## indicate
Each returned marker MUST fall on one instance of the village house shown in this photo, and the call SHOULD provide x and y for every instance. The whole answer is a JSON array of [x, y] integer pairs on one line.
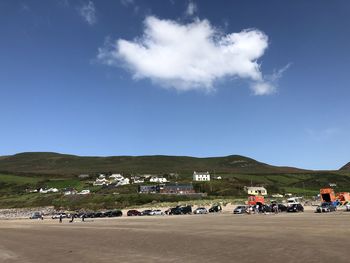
[[180, 189], [101, 181], [69, 191], [137, 179], [119, 179], [149, 189], [50, 190], [201, 176], [156, 179], [251, 190]]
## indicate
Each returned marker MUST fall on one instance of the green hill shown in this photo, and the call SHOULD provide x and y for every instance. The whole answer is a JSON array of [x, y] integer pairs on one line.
[[62, 164]]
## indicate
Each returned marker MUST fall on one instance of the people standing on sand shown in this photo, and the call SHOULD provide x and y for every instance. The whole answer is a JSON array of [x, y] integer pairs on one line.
[[72, 219], [83, 218], [61, 218]]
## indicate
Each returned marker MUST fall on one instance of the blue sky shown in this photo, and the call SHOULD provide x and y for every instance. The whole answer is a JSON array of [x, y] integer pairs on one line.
[[264, 79]]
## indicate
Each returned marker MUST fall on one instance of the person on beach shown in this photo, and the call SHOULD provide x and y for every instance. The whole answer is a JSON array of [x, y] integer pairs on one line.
[[61, 218]]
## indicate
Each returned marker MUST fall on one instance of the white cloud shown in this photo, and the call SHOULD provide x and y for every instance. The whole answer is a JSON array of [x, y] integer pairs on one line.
[[268, 84], [191, 8], [191, 56], [88, 12], [323, 134], [127, 2]]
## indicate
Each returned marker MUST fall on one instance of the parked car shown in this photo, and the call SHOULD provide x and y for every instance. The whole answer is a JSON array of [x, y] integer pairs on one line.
[[240, 209], [157, 212], [200, 210], [281, 207], [97, 214], [180, 210], [134, 213], [326, 207], [57, 215], [36, 215], [113, 213], [215, 209], [147, 212], [88, 215], [295, 208], [265, 209]]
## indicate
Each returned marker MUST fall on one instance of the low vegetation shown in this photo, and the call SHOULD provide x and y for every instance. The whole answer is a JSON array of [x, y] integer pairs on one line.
[[14, 190]]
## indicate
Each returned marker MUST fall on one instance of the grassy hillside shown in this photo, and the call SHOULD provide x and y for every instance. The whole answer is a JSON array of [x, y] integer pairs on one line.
[[35, 170], [62, 164]]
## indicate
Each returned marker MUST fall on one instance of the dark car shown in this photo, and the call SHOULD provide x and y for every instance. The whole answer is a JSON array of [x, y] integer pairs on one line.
[[240, 209], [134, 213], [88, 215], [265, 209], [113, 213], [180, 210], [295, 208], [98, 214], [215, 209], [281, 207], [326, 207]]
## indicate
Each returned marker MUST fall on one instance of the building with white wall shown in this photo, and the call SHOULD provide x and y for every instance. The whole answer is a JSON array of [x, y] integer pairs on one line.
[[201, 176]]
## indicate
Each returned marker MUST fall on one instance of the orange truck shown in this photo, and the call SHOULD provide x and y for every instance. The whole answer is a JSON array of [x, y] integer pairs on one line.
[[256, 200], [327, 195]]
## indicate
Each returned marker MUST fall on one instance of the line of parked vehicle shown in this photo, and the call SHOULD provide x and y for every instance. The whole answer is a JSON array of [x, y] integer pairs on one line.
[[264, 208], [183, 210], [178, 210]]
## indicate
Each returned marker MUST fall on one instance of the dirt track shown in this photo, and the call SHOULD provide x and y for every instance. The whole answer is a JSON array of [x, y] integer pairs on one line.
[[306, 237]]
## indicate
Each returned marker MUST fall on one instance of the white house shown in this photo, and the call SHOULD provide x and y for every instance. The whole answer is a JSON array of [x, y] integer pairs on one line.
[[119, 179], [116, 177], [70, 191], [251, 190], [102, 181], [50, 190], [124, 181], [201, 176], [156, 179], [137, 180]]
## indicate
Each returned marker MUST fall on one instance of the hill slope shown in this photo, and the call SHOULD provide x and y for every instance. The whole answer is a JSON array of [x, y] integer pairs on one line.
[[346, 167], [63, 164]]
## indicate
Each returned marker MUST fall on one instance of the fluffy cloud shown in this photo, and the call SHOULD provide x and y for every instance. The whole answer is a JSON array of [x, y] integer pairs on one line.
[[88, 12], [191, 8], [191, 56]]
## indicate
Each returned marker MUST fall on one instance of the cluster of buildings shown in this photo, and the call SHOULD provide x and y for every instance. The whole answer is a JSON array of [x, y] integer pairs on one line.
[[115, 179], [118, 179], [65, 191]]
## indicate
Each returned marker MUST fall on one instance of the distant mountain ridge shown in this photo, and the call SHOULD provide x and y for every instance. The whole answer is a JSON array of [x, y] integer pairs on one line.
[[346, 167], [65, 164]]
